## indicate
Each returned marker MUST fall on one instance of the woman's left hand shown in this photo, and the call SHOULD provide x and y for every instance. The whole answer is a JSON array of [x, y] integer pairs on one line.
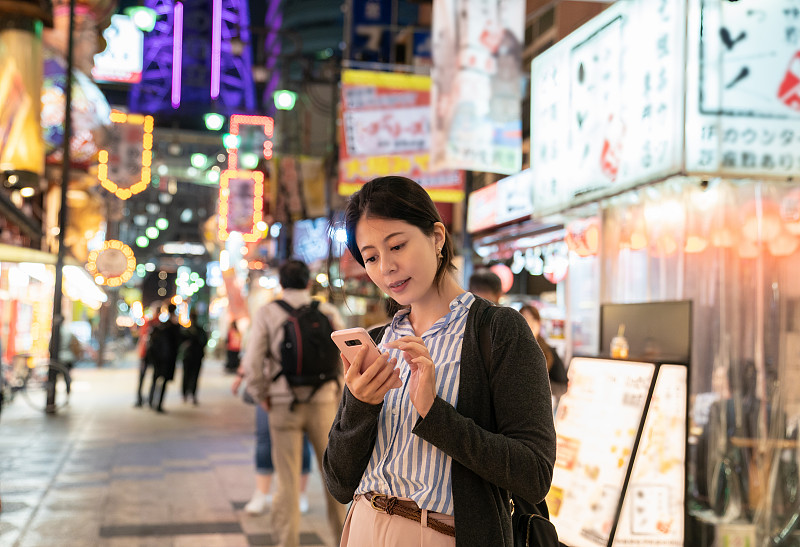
[[422, 381]]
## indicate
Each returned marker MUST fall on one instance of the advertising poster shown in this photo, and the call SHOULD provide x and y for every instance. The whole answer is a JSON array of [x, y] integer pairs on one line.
[[607, 104], [21, 143], [477, 85], [596, 424], [743, 91], [300, 188], [386, 130]]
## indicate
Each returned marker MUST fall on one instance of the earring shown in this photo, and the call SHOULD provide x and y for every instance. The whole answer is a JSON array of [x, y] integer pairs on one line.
[[439, 253]]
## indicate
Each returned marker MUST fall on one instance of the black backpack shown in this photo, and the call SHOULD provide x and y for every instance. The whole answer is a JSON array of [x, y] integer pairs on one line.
[[308, 355]]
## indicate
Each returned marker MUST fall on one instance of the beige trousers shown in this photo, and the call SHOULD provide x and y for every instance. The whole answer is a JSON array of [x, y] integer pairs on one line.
[[287, 428], [366, 527]]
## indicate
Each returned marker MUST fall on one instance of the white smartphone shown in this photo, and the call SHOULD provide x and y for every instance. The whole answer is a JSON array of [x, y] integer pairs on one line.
[[350, 341]]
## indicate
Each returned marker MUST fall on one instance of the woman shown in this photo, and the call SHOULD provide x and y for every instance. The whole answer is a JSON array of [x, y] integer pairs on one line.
[[555, 366], [193, 353], [233, 345], [429, 431]]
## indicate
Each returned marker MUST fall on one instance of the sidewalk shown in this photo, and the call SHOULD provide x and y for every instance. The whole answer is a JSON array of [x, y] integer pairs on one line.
[[102, 473]]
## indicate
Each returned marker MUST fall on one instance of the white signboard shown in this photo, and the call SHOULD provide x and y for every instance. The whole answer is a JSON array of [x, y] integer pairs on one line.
[[477, 85], [596, 424], [743, 98], [607, 104], [121, 61]]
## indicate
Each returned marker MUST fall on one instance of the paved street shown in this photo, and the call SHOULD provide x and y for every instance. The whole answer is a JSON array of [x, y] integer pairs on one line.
[[103, 473]]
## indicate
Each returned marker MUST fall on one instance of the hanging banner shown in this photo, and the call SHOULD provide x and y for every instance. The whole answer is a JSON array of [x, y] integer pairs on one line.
[[607, 104], [21, 142], [477, 85], [386, 131], [743, 99], [300, 189]]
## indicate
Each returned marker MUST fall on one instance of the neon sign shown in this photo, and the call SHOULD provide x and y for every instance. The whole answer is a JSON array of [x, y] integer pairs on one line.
[[124, 168], [238, 122], [241, 204], [113, 264]]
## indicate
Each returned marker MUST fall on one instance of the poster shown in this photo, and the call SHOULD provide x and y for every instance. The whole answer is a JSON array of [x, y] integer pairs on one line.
[[607, 105], [300, 188], [386, 130], [477, 85], [596, 424], [21, 142], [743, 89]]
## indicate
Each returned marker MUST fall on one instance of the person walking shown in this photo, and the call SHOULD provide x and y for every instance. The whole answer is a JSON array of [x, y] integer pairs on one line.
[[194, 348], [144, 342], [262, 495], [486, 284], [433, 438], [165, 339], [293, 409], [233, 345]]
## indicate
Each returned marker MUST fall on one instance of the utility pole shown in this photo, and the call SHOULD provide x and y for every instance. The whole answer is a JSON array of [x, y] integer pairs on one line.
[[58, 317]]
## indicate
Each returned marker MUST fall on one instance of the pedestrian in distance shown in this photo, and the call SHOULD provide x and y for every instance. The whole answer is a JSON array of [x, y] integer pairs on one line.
[[233, 345], [486, 284], [145, 361], [165, 339], [432, 438], [292, 369], [262, 495], [196, 338]]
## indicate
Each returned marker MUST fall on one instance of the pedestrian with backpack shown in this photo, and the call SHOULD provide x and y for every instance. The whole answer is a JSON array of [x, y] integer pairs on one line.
[[433, 437], [293, 370]]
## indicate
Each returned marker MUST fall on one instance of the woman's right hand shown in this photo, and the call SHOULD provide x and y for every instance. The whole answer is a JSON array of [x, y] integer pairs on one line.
[[375, 382]]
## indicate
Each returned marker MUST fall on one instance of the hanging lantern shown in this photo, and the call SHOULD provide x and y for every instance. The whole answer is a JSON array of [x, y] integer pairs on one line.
[[783, 245], [769, 225], [695, 244], [506, 276], [748, 249], [722, 237]]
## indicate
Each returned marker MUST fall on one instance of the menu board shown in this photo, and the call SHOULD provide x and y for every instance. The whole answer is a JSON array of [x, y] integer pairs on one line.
[[653, 509], [596, 423]]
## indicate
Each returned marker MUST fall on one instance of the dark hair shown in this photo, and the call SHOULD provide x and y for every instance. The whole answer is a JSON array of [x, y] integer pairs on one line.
[[397, 198], [485, 281], [171, 308], [532, 311], [294, 274]]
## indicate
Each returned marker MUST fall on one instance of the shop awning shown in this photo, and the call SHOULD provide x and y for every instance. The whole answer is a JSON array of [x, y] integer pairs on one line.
[[13, 253]]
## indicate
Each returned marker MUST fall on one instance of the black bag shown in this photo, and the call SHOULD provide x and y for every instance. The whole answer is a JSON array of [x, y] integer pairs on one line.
[[308, 355], [530, 523]]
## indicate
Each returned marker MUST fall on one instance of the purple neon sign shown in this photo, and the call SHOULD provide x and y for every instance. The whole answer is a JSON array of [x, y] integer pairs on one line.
[[177, 53], [216, 47]]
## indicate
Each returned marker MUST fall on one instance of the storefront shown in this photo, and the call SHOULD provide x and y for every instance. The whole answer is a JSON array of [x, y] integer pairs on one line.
[[672, 168]]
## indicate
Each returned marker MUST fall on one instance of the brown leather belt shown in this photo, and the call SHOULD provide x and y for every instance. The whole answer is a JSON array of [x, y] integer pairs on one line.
[[407, 509]]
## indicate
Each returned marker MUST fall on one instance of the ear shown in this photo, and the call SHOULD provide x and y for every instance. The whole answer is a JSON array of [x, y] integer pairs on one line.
[[439, 232]]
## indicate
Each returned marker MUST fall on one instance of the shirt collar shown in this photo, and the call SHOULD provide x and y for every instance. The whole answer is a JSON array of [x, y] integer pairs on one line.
[[458, 306]]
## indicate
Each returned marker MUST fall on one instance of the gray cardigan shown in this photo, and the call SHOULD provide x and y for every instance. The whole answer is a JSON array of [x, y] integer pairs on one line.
[[500, 436]]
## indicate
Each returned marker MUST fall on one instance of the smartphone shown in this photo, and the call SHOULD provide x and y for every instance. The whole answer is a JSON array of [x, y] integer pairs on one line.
[[350, 341]]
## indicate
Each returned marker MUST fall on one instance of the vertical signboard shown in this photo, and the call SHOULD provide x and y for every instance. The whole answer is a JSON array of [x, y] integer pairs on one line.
[[386, 131], [477, 85], [743, 92], [241, 204], [21, 142], [607, 104], [124, 164]]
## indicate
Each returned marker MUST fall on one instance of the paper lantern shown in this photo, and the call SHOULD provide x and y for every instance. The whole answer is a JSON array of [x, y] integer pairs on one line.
[[769, 222], [506, 276], [695, 244], [783, 245]]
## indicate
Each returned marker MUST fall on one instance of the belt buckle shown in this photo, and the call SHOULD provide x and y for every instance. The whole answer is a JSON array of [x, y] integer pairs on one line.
[[374, 499]]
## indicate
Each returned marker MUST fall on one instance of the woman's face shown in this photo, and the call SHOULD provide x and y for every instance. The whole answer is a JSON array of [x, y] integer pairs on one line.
[[535, 325], [399, 258]]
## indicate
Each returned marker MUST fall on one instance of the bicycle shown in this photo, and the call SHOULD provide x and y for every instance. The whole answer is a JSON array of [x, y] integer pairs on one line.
[[33, 381]]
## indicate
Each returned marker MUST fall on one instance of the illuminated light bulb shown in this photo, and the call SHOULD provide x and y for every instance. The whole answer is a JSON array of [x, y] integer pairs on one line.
[[695, 244], [783, 245], [770, 222], [638, 241], [748, 249], [722, 237]]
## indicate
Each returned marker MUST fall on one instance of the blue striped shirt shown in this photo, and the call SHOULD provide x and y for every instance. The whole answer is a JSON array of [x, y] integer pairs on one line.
[[402, 464]]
